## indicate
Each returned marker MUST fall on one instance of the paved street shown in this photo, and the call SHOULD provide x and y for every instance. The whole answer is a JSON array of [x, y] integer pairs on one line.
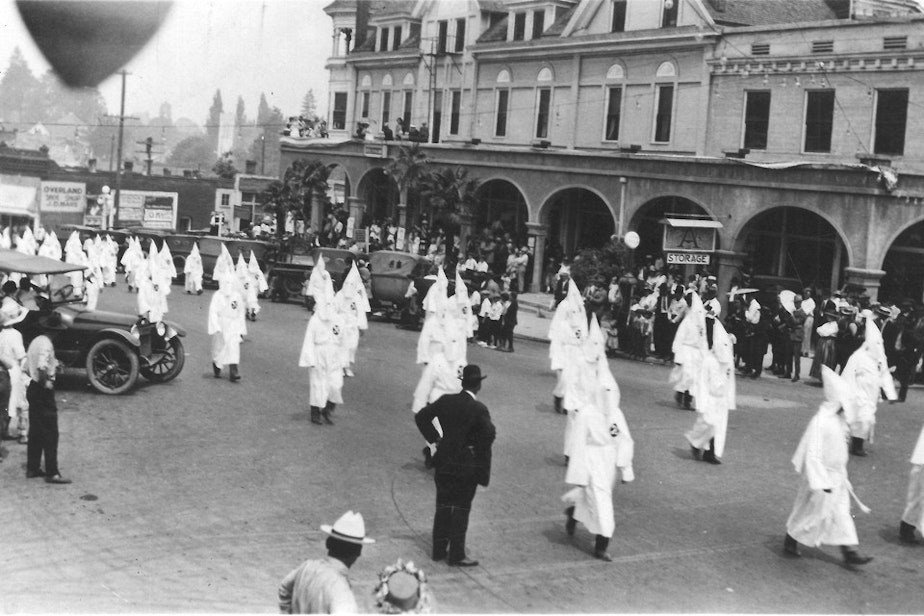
[[200, 495]]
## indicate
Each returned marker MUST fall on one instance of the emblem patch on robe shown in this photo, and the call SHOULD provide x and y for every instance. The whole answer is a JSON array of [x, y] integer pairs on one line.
[[336, 330], [233, 305], [614, 430]]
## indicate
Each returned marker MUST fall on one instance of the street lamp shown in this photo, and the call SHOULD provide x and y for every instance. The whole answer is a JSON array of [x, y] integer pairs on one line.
[[105, 201]]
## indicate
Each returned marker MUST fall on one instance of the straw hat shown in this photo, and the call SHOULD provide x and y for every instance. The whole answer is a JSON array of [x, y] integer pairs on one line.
[[349, 527]]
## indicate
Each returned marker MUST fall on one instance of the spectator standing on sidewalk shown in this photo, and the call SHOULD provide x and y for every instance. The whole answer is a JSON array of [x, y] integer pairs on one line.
[[808, 330], [43, 410], [796, 325], [508, 321]]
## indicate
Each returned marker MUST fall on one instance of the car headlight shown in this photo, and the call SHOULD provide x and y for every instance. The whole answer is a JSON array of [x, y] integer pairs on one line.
[[161, 328]]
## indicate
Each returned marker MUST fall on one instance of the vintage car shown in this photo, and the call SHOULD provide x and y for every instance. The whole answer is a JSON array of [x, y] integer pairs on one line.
[[392, 272], [291, 265], [113, 348]]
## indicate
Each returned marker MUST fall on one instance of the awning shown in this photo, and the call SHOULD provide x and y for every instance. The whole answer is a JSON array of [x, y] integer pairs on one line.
[[17, 200], [692, 223]]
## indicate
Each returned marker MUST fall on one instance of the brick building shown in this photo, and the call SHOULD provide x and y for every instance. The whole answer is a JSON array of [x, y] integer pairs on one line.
[[792, 129]]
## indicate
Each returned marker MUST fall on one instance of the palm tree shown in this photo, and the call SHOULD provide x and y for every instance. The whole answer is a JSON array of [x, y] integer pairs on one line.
[[314, 191], [278, 202], [408, 168], [452, 197]]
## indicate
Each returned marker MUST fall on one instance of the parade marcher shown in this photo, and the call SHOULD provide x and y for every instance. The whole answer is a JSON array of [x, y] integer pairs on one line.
[[602, 444], [259, 283], [167, 268], [131, 260], [192, 271], [323, 354], [43, 410], [352, 304], [566, 334], [821, 512], [688, 348], [73, 253], [323, 586], [109, 261], [462, 462], [318, 281], [227, 324], [713, 389], [866, 374], [913, 516], [248, 288], [151, 303]]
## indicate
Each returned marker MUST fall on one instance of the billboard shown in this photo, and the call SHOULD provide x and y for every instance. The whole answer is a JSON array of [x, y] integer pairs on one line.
[[68, 197], [147, 208]]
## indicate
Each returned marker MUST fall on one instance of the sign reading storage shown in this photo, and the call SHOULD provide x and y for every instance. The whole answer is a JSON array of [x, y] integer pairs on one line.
[[687, 258]]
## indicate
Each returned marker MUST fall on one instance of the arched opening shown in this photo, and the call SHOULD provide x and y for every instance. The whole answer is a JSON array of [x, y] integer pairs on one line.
[[904, 267], [794, 248], [578, 218], [502, 207], [379, 192], [648, 222], [339, 191]]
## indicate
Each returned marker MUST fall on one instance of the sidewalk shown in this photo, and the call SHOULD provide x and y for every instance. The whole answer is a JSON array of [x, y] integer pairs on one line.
[[534, 318]]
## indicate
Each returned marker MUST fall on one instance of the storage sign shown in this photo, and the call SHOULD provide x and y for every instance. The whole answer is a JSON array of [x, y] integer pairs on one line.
[[687, 258], [63, 197]]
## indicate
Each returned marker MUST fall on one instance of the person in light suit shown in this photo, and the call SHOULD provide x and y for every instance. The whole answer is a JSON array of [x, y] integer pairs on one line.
[[462, 462]]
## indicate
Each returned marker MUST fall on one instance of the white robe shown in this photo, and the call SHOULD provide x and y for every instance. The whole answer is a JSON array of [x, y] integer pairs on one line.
[[714, 392], [866, 375], [820, 517], [193, 271], [604, 444], [914, 504], [322, 353], [226, 325]]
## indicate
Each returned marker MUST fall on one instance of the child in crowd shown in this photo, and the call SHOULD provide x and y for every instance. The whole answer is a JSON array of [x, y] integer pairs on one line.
[[508, 321]]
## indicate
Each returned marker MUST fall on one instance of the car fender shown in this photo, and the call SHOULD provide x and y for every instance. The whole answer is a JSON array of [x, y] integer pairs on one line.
[[119, 334], [174, 329]]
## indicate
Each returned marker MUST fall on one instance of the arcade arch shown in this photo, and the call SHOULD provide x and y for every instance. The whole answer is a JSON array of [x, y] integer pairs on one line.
[[904, 266], [648, 221], [379, 192], [502, 205], [577, 218], [795, 248]]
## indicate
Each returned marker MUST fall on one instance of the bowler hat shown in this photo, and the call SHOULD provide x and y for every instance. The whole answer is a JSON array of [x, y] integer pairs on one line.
[[883, 311], [471, 375]]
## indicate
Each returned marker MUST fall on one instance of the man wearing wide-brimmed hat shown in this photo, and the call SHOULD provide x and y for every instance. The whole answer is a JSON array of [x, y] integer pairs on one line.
[[462, 462], [323, 586]]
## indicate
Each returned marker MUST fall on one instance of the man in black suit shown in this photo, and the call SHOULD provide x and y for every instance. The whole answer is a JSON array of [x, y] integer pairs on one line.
[[462, 462]]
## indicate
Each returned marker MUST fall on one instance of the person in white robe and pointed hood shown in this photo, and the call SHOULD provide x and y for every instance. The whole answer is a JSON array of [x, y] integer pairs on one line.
[[567, 332], [227, 323], [224, 264], [435, 303], [602, 444], [821, 512], [913, 516], [73, 253], [713, 387], [442, 373], [109, 261], [50, 248], [318, 281], [467, 319], [167, 267], [192, 271], [259, 281], [151, 303], [248, 289], [688, 347], [130, 260], [867, 372], [353, 304], [322, 353]]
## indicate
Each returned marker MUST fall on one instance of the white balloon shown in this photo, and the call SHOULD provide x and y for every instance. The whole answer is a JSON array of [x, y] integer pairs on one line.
[[632, 240]]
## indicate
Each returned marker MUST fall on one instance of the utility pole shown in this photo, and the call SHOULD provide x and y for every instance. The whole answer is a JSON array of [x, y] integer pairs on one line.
[[118, 183]]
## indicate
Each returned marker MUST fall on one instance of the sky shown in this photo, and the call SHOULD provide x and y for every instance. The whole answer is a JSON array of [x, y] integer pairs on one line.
[[243, 47]]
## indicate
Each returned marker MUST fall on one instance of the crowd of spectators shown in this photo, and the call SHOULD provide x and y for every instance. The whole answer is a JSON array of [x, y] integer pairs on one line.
[[300, 126]]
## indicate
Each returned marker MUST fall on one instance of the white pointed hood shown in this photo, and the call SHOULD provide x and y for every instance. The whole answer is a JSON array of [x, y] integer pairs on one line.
[[224, 265], [166, 260], [436, 297]]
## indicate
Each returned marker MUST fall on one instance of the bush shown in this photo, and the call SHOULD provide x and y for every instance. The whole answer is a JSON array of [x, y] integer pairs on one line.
[[606, 262]]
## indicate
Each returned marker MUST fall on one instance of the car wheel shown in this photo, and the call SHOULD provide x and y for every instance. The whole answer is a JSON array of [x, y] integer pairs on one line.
[[292, 286], [112, 366], [166, 362]]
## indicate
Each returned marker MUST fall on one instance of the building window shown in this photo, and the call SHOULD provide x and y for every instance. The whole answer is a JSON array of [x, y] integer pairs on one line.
[[383, 40], [891, 118], [613, 105], [669, 14], [365, 105], [819, 118], [619, 16], [396, 38], [756, 120], [665, 106], [226, 199], [386, 108], [442, 35], [454, 112], [185, 223], [500, 125], [338, 119], [519, 26], [408, 102], [543, 105], [538, 23], [460, 35]]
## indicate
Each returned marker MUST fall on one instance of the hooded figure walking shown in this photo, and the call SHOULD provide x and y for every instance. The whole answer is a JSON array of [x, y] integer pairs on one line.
[[192, 270], [227, 322], [324, 355], [713, 386], [821, 513]]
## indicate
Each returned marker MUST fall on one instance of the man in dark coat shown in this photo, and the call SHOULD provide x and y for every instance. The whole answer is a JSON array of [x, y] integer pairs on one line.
[[462, 462]]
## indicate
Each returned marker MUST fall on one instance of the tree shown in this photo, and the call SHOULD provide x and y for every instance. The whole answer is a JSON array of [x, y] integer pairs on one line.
[[213, 123], [309, 105], [451, 197], [224, 166], [408, 168], [310, 180], [193, 152], [20, 92], [59, 100], [240, 118], [279, 203], [265, 148]]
